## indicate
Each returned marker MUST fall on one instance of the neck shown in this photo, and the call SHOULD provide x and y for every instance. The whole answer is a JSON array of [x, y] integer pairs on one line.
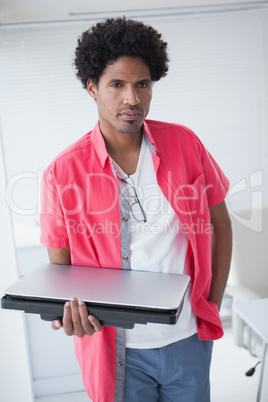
[[123, 144], [124, 149]]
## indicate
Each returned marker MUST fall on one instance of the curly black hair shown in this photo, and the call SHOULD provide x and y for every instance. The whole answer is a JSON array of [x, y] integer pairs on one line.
[[107, 41]]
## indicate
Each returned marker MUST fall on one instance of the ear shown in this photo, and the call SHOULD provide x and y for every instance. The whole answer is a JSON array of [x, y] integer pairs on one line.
[[92, 89]]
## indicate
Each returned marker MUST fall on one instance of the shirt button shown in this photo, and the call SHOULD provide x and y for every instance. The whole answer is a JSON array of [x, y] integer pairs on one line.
[[120, 364], [125, 219], [125, 257]]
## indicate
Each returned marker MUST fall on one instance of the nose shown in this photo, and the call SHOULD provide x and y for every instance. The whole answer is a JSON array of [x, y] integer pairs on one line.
[[131, 97]]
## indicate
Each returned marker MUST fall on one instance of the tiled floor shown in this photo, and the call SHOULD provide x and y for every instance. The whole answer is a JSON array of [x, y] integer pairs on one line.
[[228, 380]]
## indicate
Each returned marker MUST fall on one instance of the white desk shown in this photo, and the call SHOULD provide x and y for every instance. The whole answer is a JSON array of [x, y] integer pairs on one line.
[[255, 314]]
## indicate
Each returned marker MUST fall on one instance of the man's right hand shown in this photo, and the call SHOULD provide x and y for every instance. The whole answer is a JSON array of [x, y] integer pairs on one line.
[[76, 320]]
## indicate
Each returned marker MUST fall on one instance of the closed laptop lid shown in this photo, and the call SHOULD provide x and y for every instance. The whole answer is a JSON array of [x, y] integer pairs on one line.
[[105, 286]]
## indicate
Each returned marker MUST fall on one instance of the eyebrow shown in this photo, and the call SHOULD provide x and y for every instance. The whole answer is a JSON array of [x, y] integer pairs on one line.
[[145, 80]]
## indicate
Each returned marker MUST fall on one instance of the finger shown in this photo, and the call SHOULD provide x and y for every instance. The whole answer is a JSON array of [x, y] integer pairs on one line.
[[67, 320], [76, 319], [88, 328], [95, 323], [56, 324]]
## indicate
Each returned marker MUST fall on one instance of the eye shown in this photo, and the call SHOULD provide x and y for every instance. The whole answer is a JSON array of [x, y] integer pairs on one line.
[[116, 85], [142, 84]]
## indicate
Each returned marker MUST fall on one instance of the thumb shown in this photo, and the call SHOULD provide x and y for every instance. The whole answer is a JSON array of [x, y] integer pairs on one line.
[[56, 324]]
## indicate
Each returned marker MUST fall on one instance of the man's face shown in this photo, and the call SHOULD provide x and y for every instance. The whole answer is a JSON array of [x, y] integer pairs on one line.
[[123, 96]]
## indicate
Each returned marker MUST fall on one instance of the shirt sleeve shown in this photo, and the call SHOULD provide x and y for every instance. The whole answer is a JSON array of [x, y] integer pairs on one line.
[[217, 184], [52, 221]]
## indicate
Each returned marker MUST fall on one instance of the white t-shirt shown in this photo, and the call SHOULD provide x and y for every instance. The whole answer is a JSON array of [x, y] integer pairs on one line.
[[160, 245]]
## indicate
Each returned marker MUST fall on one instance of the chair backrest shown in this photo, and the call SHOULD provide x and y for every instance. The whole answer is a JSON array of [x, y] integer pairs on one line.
[[250, 251]]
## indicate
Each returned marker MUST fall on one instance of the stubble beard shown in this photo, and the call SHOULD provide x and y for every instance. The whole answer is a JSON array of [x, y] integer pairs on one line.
[[129, 126]]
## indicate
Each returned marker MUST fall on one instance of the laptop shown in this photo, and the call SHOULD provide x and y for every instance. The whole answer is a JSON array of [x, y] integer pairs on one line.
[[116, 297]]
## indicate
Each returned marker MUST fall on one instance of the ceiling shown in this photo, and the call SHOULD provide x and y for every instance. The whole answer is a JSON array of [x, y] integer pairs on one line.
[[40, 10]]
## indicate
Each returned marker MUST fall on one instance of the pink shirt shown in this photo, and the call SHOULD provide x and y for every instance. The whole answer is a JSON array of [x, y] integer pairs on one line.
[[82, 209]]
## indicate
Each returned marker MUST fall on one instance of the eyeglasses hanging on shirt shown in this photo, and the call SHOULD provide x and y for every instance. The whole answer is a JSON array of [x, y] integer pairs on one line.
[[135, 207]]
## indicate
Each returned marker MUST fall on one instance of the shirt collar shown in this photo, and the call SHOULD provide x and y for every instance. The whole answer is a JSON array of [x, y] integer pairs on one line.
[[99, 143], [150, 137]]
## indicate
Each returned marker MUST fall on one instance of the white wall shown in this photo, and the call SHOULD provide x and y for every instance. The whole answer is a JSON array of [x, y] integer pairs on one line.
[[15, 369], [39, 10]]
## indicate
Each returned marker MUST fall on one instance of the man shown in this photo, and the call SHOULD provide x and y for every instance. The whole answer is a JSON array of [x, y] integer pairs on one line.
[[138, 194]]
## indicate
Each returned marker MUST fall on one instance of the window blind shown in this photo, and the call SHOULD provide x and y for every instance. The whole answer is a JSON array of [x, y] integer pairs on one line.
[[217, 86]]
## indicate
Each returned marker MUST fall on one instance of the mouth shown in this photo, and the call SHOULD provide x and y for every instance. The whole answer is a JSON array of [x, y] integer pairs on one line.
[[130, 115]]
